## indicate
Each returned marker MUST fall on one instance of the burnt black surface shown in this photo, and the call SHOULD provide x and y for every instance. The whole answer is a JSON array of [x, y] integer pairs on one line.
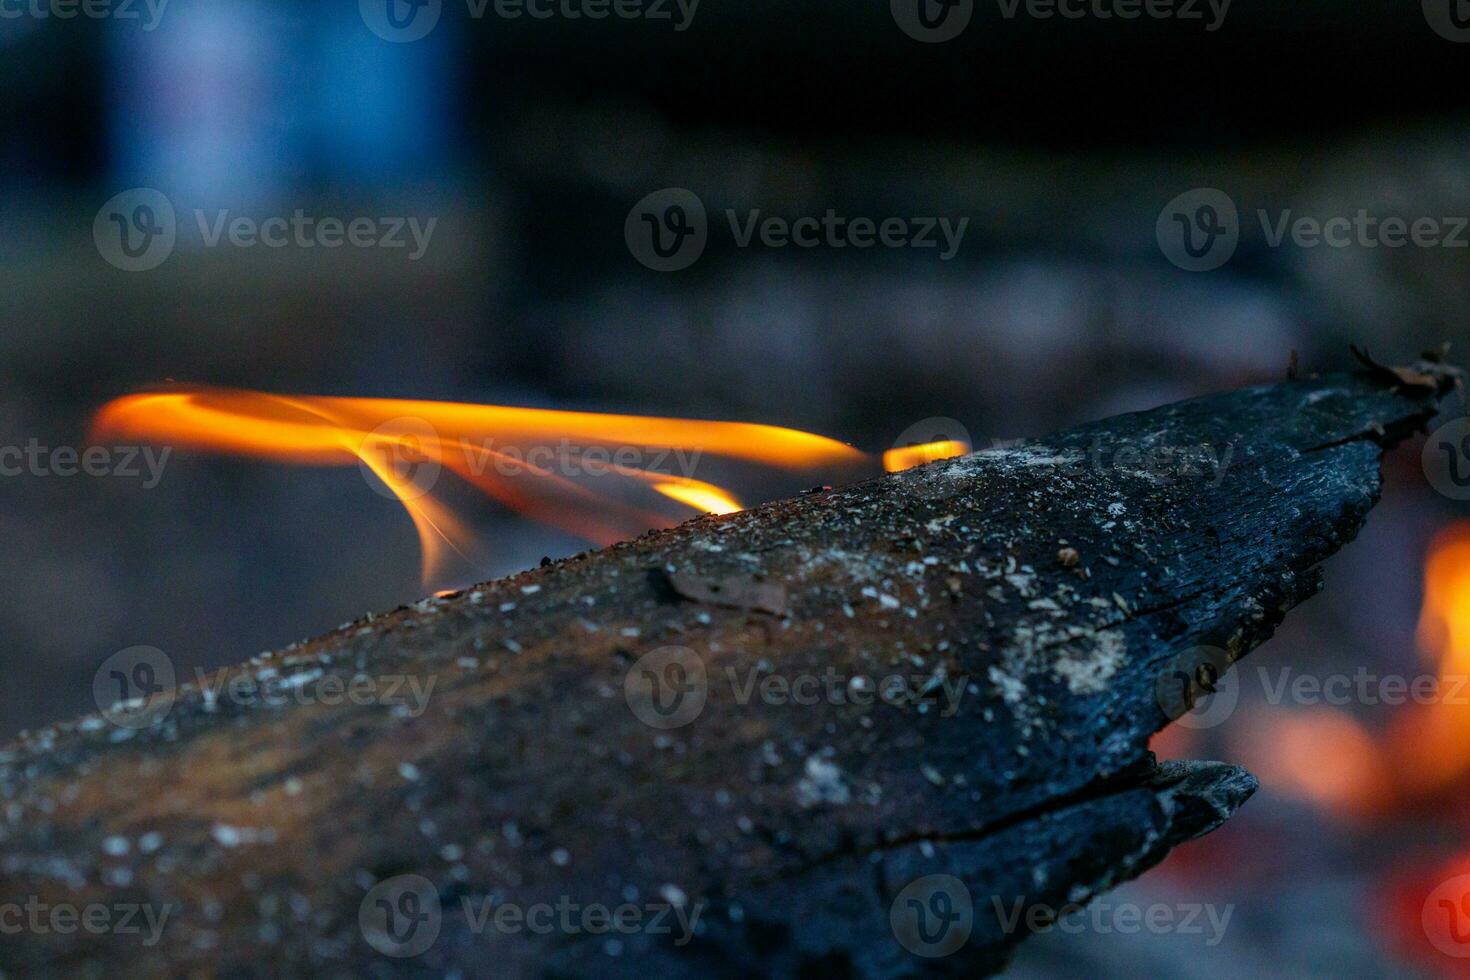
[[792, 827]]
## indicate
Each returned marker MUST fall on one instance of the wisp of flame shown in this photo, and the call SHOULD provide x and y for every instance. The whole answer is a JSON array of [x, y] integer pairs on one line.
[[407, 444]]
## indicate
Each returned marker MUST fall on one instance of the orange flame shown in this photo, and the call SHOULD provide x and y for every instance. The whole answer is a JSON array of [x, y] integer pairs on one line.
[[1431, 745], [907, 457], [406, 444], [1425, 749]]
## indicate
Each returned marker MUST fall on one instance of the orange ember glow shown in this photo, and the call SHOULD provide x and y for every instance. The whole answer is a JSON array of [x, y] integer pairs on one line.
[[1433, 740], [907, 457], [537, 462], [1424, 751], [1288, 751]]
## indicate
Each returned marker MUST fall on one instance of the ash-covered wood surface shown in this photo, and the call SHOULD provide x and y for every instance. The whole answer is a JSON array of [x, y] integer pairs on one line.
[[542, 746]]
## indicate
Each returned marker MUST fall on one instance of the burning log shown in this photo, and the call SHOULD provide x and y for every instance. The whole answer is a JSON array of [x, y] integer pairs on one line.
[[840, 733]]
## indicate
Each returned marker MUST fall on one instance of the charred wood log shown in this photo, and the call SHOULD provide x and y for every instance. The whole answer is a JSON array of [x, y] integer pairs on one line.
[[829, 734]]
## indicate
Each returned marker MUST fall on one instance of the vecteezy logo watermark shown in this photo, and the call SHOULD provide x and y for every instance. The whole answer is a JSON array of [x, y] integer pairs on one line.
[[935, 689], [1158, 462], [1197, 689], [667, 687], [409, 693], [150, 12], [932, 21], [400, 458], [1446, 459], [36, 917], [932, 916], [403, 458], [1199, 229], [402, 916], [569, 917], [401, 21], [1180, 10], [1105, 917], [1450, 19], [126, 462], [1445, 916], [668, 230], [134, 688], [138, 230]]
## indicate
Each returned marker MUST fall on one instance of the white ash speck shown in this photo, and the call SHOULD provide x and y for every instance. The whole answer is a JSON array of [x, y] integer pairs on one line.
[[822, 783], [530, 589], [150, 842], [561, 857], [1011, 689], [1088, 671], [409, 771], [673, 894], [1022, 582], [227, 836], [116, 846], [302, 679]]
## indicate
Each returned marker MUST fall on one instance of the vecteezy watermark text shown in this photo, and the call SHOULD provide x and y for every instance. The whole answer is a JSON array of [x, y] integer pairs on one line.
[[126, 462], [138, 230], [1200, 230], [669, 687], [936, 21], [272, 689], [570, 459], [403, 21], [402, 916], [35, 917], [150, 12], [1198, 688], [135, 688], [1105, 917], [668, 230]]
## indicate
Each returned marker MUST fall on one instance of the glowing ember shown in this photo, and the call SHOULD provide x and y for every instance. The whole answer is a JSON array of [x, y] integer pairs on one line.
[[1424, 752], [1287, 751], [534, 461]]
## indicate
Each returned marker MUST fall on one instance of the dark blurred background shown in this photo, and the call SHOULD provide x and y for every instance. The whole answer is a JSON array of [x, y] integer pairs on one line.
[[530, 139]]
